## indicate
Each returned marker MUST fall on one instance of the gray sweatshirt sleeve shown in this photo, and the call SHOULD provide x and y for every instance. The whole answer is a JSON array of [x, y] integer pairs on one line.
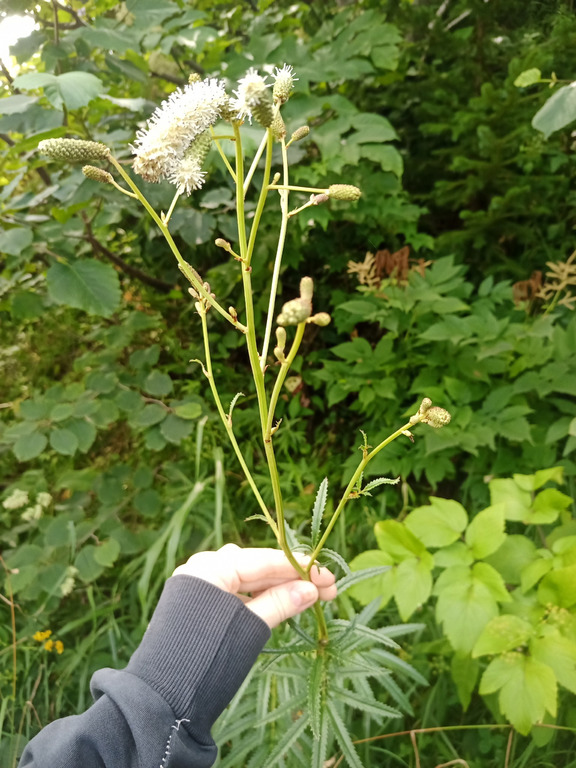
[[158, 712]]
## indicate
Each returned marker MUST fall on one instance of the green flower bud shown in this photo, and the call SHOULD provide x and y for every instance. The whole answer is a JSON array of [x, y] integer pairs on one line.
[[74, 150], [97, 174], [300, 133], [344, 192], [263, 109], [278, 127]]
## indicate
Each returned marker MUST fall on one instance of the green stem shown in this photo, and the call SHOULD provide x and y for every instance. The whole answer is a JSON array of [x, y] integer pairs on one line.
[[185, 268], [282, 373], [257, 156], [278, 260], [262, 197], [292, 188], [222, 155], [228, 424], [346, 495]]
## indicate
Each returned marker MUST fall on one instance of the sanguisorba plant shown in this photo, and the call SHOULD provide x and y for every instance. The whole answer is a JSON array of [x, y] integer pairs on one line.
[[172, 147]]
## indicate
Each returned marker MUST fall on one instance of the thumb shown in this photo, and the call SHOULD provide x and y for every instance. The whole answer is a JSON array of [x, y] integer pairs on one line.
[[277, 604]]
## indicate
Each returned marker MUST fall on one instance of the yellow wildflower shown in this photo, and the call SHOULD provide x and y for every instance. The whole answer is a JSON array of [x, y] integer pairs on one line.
[[41, 636], [59, 645], [49, 644]]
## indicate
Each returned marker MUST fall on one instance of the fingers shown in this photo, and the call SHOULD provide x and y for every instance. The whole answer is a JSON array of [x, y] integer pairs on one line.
[[284, 601]]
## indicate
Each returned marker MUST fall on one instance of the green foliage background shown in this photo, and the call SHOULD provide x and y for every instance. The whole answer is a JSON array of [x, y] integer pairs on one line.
[[415, 104]]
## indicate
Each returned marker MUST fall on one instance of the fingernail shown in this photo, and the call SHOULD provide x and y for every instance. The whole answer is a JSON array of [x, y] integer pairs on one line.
[[303, 593]]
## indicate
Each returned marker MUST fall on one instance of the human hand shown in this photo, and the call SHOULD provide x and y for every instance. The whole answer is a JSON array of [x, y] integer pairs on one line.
[[277, 591]]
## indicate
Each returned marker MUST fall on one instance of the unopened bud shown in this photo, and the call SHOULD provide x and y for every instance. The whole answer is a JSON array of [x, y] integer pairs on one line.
[[280, 344], [263, 110], [436, 417], [344, 192], [194, 78], [278, 127], [284, 83], [276, 178], [74, 150], [319, 199], [425, 405], [97, 174], [295, 312], [221, 243], [300, 133], [306, 288], [233, 313], [320, 318]]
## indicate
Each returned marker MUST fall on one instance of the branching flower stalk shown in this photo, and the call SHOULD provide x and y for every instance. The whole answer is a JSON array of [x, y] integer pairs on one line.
[[173, 148]]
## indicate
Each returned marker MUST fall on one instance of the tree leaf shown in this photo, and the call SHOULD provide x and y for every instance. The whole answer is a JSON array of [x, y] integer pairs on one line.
[[438, 524], [486, 534], [528, 77], [85, 284]]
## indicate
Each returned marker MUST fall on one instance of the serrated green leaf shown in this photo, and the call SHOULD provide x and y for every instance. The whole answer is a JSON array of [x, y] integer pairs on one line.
[[464, 672], [318, 511], [527, 689], [343, 737], [501, 634], [320, 743], [336, 558], [547, 506], [413, 585], [558, 587], [559, 653], [356, 577], [516, 501], [316, 693], [85, 284], [288, 738], [380, 481], [370, 706], [28, 447], [396, 540]]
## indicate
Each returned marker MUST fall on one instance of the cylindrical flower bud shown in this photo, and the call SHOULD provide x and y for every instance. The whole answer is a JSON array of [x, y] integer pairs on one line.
[[278, 127], [295, 312], [276, 178], [344, 192], [263, 109], [320, 318], [97, 174], [306, 288], [300, 133], [281, 343], [436, 417], [425, 405], [233, 313], [221, 243], [229, 111], [74, 150]]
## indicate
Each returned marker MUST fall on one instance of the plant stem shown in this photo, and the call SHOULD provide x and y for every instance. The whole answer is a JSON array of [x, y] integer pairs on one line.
[[315, 190], [222, 155], [278, 260], [184, 266], [262, 197], [346, 495], [266, 139], [282, 373], [228, 424]]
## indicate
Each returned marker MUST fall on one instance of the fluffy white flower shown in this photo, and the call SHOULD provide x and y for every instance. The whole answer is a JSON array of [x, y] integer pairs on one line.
[[32, 513], [188, 175], [16, 499], [187, 113], [44, 499], [250, 94], [283, 82]]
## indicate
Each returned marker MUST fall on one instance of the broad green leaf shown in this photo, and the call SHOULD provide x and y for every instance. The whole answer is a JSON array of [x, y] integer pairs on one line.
[[527, 689], [503, 633], [174, 430], [85, 433], [514, 554], [85, 284], [515, 500], [107, 553], [528, 77], [28, 447], [456, 554], [558, 587], [559, 653], [438, 524], [64, 441], [88, 567], [492, 580], [148, 502], [318, 510], [464, 672], [151, 414], [385, 56], [101, 381], [543, 476], [61, 411], [378, 587], [558, 112], [60, 531], [486, 531], [385, 155], [397, 541], [190, 411], [465, 605], [413, 585], [533, 572], [372, 128], [158, 384], [548, 505]]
